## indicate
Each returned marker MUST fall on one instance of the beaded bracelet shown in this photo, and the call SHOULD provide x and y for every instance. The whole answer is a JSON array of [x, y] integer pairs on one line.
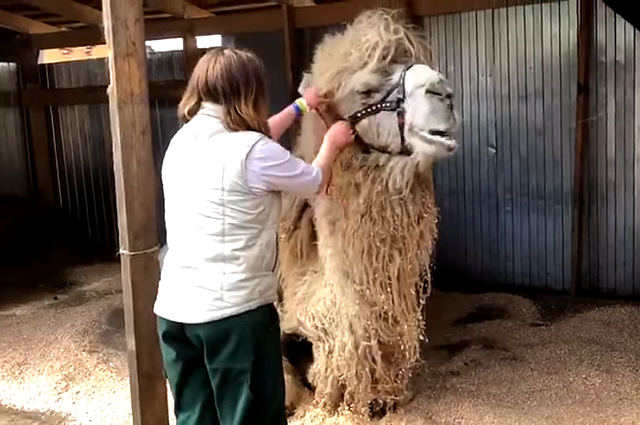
[[301, 107]]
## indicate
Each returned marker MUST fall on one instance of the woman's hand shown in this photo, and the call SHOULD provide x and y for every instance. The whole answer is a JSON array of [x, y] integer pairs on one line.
[[339, 136], [313, 99], [336, 138]]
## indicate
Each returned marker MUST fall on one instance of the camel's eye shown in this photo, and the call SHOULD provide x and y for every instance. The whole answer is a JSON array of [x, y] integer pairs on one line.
[[367, 93]]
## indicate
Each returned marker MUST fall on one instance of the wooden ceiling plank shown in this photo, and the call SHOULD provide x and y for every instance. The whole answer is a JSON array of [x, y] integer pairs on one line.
[[259, 20], [25, 25], [174, 7], [192, 11], [69, 9], [265, 20], [179, 8]]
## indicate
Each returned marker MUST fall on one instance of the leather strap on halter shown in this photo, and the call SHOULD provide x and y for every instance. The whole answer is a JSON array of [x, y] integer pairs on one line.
[[396, 104]]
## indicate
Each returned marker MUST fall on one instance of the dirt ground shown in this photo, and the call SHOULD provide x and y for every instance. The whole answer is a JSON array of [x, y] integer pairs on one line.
[[491, 358]]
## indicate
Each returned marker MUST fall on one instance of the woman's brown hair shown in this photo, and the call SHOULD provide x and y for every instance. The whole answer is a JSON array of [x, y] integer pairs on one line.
[[234, 79]]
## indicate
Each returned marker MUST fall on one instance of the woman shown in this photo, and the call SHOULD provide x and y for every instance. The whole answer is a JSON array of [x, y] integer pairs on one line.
[[222, 175]]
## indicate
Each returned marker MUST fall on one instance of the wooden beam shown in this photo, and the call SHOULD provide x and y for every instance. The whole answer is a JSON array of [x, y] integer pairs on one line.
[[585, 29], [233, 23], [268, 19], [69, 9], [290, 59], [191, 52], [25, 25], [445, 7], [39, 97], [37, 130], [245, 7], [178, 8], [192, 11], [136, 196], [292, 73], [172, 7], [328, 14]]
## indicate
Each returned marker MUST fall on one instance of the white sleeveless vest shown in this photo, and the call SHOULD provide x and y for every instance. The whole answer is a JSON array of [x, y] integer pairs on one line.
[[221, 252]]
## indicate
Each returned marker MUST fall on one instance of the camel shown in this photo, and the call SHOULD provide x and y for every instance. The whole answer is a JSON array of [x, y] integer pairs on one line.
[[354, 263]]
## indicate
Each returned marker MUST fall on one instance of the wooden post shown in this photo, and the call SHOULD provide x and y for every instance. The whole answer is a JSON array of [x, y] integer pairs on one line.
[[290, 57], [136, 179], [191, 53], [585, 24], [37, 131], [410, 16], [292, 72]]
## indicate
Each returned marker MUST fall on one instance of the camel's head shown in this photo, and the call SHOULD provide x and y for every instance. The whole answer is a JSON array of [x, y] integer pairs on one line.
[[376, 73]]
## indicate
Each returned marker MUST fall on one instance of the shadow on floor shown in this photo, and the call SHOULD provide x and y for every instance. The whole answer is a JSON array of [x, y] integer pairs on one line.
[[9, 416], [37, 247]]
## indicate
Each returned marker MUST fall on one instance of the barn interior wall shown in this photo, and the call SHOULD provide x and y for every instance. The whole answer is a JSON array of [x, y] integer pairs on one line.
[[268, 46], [14, 162], [505, 198], [83, 163], [82, 144], [612, 212]]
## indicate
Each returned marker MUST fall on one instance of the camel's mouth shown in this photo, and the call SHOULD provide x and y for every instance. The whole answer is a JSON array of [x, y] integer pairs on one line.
[[439, 133], [442, 138]]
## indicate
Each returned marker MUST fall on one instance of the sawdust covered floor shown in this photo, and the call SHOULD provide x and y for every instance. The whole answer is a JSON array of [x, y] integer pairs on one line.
[[492, 359], [503, 359], [62, 347]]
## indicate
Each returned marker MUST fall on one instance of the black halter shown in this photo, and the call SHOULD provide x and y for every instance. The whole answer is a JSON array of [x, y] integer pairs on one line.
[[396, 104]]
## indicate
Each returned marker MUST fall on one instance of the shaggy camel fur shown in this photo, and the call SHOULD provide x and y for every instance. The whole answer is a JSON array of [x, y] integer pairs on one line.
[[354, 262]]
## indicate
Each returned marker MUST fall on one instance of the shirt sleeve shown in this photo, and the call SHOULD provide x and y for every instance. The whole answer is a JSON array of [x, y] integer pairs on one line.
[[270, 167]]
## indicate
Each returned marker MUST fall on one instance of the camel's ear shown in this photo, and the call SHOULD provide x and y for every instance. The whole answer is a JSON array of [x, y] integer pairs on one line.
[[305, 83]]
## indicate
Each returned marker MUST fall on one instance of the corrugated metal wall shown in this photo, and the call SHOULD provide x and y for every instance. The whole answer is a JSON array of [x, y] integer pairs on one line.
[[269, 47], [612, 253], [83, 150], [14, 162], [505, 198]]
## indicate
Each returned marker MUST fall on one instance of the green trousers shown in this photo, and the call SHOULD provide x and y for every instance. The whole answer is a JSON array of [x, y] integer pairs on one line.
[[226, 372]]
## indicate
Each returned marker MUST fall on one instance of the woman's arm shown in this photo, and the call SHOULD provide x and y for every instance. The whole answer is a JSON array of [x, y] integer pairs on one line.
[[280, 122], [337, 138], [270, 167]]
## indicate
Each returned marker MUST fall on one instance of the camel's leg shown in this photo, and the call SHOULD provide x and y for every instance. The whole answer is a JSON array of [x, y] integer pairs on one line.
[[295, 391], [297, 358]]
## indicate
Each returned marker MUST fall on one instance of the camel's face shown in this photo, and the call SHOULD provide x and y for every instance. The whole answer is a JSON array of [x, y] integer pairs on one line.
[[431, 123]]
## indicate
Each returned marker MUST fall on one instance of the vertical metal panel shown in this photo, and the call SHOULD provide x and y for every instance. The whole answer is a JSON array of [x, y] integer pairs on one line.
[[14, 163], [505, 198], [269, 47], [308, 38], [613, 184], [82, 145], [166, 66], [164, 123]]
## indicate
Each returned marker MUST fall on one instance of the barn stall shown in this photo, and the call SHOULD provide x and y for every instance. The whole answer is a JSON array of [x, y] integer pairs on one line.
[[541, 199]]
